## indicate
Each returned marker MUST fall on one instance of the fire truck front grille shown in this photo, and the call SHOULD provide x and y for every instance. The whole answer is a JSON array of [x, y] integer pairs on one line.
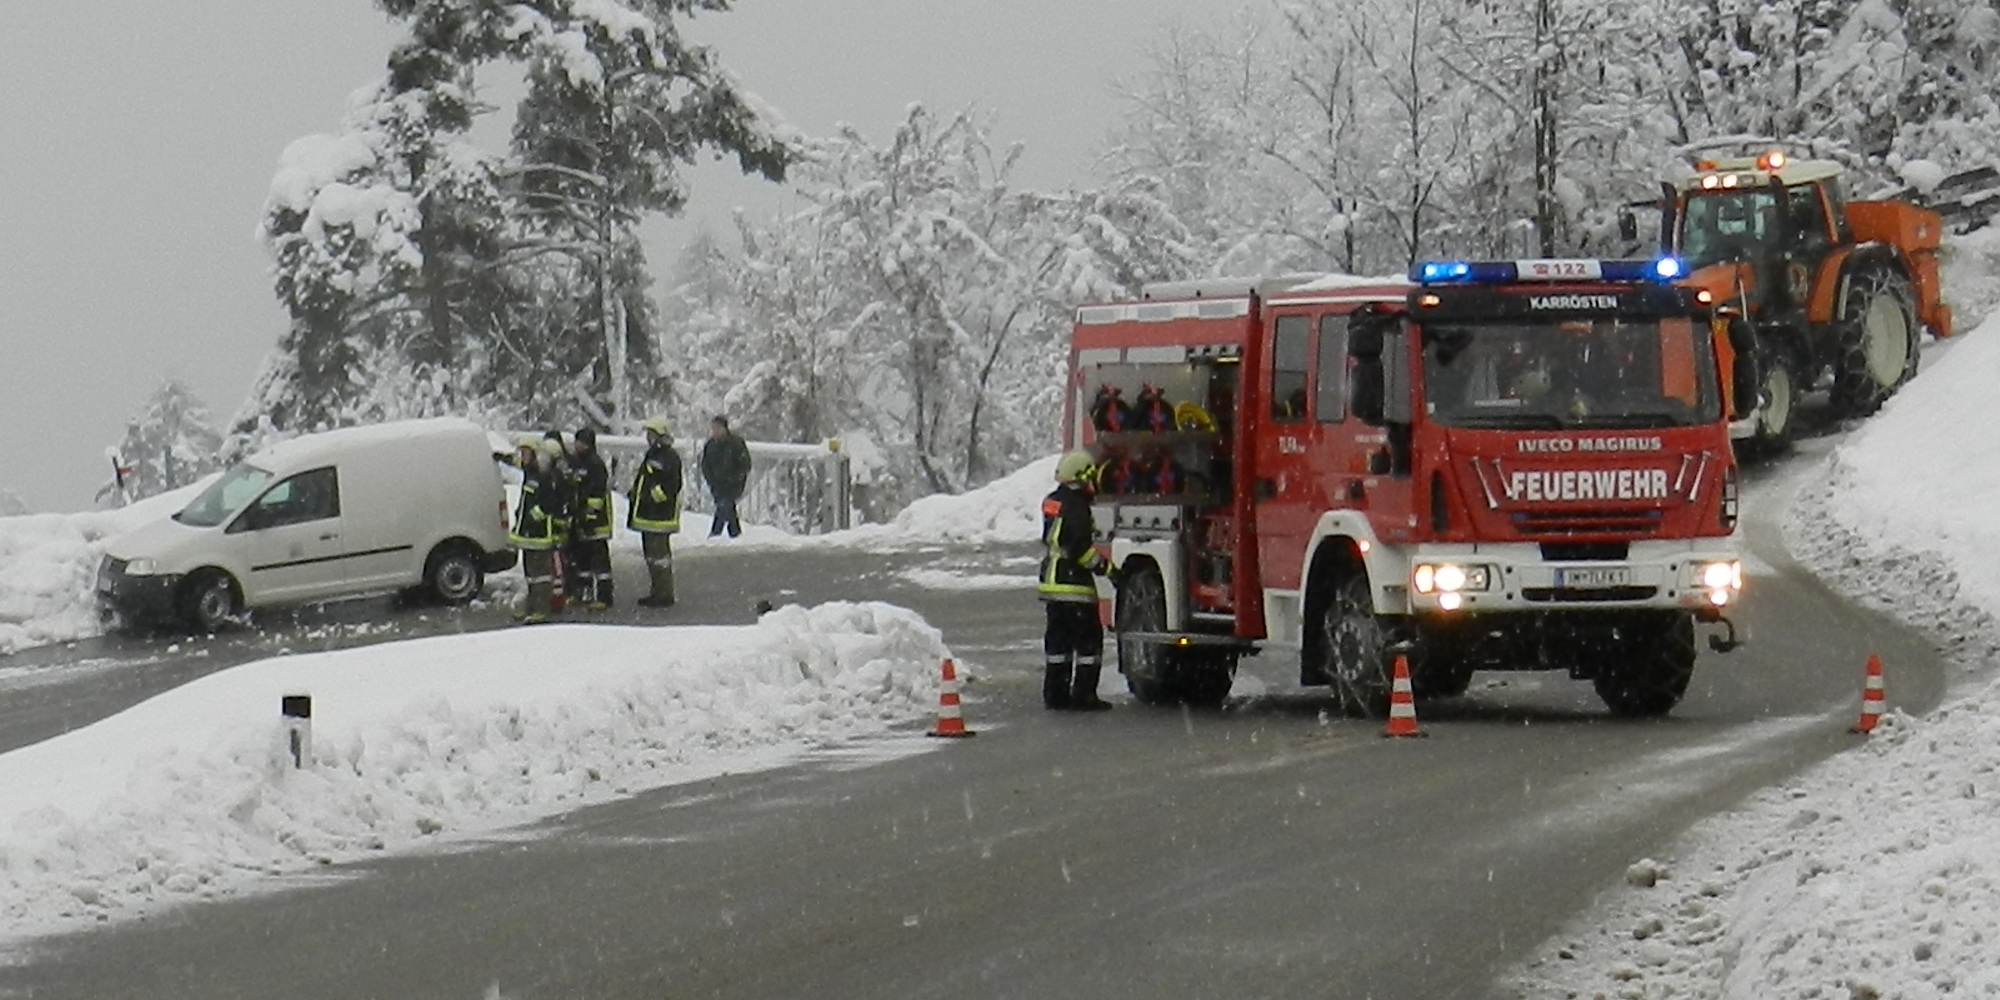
[[1569, 594], [1558, 524]]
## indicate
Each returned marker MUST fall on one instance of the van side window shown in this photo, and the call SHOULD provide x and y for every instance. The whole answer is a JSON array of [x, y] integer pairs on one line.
[[308, 496], [1329, 404], [1289, 369]]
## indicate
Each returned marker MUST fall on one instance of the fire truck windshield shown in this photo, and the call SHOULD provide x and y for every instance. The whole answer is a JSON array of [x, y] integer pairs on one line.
[[1553, 374], [1728, 225]]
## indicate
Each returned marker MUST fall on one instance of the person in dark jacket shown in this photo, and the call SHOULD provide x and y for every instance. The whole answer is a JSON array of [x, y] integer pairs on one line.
[[538, 519], [1073, 641], [569, 584], [590, 520], [725, 466], [655, 511]]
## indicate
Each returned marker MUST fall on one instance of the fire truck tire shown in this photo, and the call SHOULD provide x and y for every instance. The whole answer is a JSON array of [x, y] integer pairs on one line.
[[1142, 607], [1653, 672], [1350, 642], [1878, 341]]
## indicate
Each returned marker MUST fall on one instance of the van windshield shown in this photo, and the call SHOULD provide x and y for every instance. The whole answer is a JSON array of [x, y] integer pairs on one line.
[[224, 497]]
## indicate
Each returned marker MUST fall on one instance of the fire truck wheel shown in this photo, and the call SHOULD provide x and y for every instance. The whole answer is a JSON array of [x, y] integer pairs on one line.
[[1142, 607], [1878, 341], [1351, 642], [1652, 673]]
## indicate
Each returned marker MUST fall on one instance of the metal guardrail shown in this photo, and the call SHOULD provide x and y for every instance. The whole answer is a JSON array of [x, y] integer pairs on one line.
[[806, 489]]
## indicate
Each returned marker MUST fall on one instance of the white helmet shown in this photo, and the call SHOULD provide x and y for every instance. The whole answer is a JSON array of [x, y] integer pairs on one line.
[[1075, 467]]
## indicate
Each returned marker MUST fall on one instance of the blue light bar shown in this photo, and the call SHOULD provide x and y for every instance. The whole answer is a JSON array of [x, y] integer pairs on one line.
[[1485, 272], [1505, 272]]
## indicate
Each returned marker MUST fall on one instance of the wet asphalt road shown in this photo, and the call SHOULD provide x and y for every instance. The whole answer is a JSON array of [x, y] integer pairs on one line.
[[1265, 850]]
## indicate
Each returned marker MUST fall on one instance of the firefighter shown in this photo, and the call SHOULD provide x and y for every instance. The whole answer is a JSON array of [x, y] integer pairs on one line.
[[590, 520], [569, 587], [538, 521], [655, 512], [1073, 643]]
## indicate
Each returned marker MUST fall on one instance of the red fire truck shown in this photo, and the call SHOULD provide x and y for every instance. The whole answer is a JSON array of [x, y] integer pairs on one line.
[[1512, 465]]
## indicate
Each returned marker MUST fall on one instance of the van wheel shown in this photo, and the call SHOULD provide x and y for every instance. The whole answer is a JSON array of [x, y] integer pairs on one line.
[[209, 600], [453, 575]]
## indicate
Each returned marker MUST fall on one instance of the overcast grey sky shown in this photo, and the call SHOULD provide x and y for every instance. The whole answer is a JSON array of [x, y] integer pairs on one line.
[[141, 136]]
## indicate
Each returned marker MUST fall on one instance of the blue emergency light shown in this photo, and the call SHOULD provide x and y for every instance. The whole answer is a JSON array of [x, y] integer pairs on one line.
[[1505, 272]]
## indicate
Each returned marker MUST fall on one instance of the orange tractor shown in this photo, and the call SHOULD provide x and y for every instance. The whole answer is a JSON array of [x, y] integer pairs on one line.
[[1822, 292]]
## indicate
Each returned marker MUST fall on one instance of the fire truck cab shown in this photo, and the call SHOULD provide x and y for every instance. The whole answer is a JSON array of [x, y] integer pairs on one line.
[[1513, 465]]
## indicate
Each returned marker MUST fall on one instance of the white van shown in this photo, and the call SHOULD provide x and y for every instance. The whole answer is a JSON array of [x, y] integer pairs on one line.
[[365, 510]]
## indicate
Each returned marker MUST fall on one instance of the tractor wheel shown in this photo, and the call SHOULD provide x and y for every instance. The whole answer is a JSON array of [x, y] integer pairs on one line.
[[1878, 341], [1650, 669], [1147, 666], [1348, 645], [1777, 395]]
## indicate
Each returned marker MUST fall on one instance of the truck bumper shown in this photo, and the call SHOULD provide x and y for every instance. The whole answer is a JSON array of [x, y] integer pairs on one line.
[[1704, 575]]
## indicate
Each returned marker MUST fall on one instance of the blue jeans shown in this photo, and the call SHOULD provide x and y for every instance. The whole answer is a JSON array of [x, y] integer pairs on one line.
[[725, 516]]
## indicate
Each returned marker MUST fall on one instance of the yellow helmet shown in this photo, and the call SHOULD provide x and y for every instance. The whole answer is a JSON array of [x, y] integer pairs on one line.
[[1189, 416], [656, 425], [531, 442], [1075, 467]]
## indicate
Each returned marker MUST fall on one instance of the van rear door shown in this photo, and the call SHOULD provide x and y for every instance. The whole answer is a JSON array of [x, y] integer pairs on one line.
[[291, 537]]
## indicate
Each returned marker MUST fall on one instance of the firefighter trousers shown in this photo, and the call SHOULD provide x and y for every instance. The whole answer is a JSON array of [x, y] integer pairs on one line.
[[593, 571], [539, 566], [658, 547], [1072, 655]]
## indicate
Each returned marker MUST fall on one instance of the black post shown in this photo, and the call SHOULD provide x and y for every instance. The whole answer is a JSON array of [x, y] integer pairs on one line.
[[297, 710]]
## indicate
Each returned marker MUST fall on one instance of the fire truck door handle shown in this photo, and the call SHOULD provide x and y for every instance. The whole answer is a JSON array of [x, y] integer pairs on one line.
[[1266, 489], [1355, 490]]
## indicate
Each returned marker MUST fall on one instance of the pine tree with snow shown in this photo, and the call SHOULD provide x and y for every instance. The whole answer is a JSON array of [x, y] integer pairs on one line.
[[170, 443]]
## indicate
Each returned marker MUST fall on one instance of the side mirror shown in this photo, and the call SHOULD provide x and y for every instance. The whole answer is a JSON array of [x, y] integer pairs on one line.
[[1628, 226]]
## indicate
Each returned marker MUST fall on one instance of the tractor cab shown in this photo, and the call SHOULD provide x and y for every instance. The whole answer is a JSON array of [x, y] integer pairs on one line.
[[1773, 216]]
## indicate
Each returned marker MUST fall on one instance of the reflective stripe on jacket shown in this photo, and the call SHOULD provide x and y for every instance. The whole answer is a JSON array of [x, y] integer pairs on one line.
[[1070, 559], [538, 519], [591, 516], [656, 492]]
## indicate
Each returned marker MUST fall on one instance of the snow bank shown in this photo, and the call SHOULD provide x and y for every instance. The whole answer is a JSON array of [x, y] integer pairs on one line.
[[1006, 510], [1876, 874], [48, 568], [184, 796]]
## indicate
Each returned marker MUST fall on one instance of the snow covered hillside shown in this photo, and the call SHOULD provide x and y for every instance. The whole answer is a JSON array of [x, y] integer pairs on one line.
[[1877, 874], [187, 796]]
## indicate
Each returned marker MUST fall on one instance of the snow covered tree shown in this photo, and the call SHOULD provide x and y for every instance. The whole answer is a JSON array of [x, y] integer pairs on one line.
[[170, 443], [425, 275]]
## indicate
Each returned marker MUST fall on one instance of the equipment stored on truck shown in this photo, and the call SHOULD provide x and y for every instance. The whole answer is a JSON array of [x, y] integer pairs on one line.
[[1510, 465]]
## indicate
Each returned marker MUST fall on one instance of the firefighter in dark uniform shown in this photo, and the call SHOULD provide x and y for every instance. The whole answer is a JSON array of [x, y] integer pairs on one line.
[[655, 512], [1073, 644], [538, 522], [590, 520]]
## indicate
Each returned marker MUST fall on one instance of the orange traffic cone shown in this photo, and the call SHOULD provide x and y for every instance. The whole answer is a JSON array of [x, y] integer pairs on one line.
[[1402, 703], [950, 724], [1871, 697]]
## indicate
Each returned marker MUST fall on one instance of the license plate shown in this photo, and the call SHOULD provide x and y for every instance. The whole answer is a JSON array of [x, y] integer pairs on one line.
[[1594, 578]]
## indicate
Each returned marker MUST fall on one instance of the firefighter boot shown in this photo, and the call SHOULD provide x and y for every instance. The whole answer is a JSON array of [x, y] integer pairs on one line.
[[1083, 692], [661, 575], [1055, 683]]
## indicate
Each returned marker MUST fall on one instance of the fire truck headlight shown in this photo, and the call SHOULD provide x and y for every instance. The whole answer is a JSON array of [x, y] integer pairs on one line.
[[1449, 578], [1449, 602], [1718, 597], [1722, 575]]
